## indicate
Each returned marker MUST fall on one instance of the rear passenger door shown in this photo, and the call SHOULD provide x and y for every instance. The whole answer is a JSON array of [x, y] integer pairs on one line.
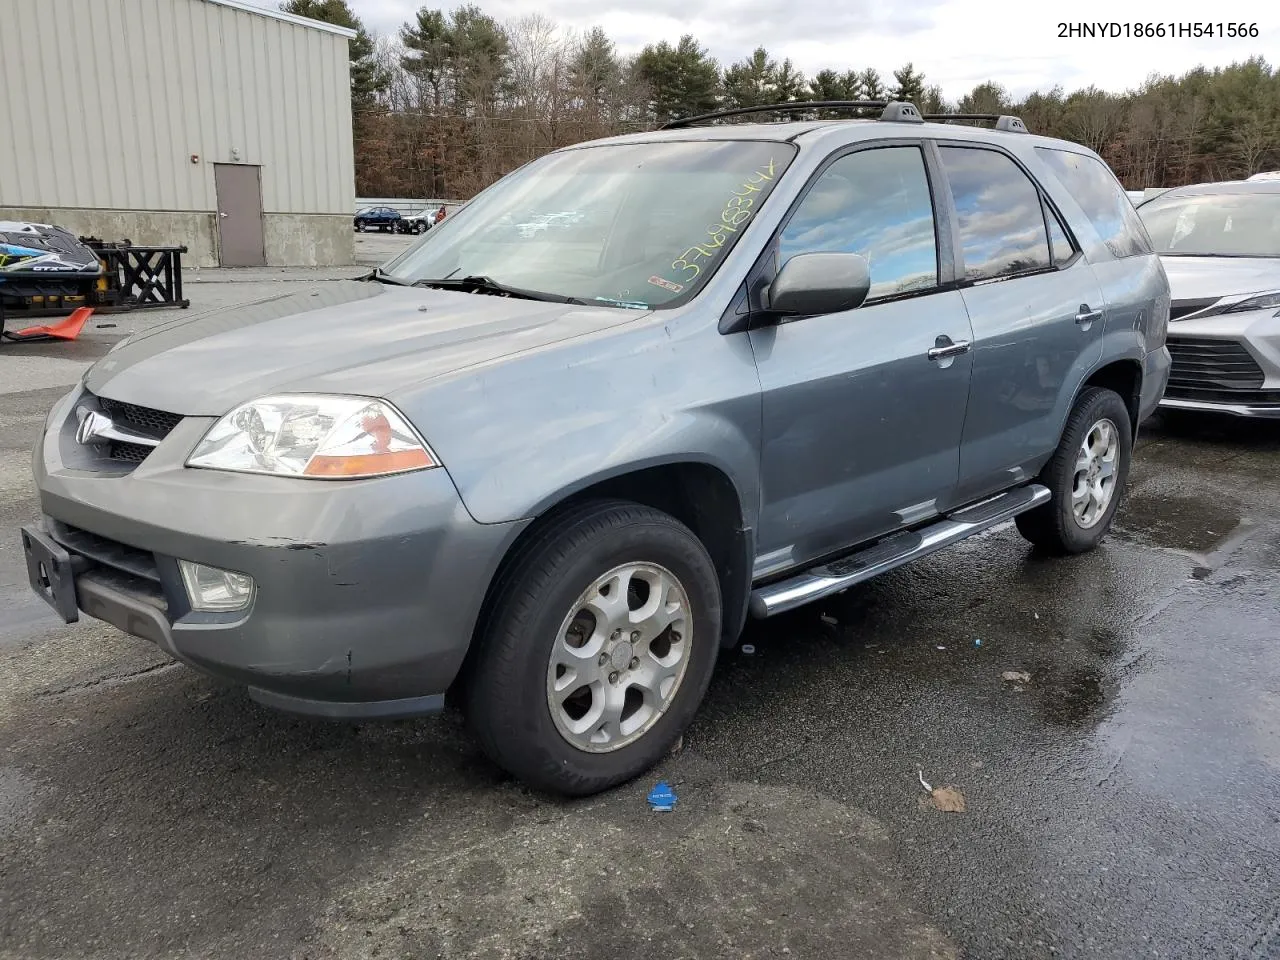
[[863, 409], [1037, 314], [1123, 259]]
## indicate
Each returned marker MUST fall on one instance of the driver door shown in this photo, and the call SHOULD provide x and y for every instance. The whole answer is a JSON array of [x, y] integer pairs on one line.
[[863, 409]]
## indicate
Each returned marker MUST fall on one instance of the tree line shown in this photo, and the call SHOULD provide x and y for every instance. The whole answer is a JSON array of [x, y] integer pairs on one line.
[[456, 99]]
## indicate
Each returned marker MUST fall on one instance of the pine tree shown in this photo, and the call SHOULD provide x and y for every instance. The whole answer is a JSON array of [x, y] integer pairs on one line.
[[367, 77], [870, 86], [683, 80], [909, 86], [749, 82]]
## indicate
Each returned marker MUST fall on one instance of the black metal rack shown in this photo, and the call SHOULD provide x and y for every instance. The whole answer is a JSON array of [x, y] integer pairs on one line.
[[891, 111], [1000, 121], [801, 106], [132, 278]]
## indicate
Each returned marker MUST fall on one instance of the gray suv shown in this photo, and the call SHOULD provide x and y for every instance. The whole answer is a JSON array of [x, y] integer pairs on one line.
[[552, 473]]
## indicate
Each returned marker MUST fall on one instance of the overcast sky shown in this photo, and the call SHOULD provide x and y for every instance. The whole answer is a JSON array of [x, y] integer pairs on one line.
[[956, 44]]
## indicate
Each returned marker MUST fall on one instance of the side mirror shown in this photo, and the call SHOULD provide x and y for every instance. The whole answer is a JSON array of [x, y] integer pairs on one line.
[[815, 283]]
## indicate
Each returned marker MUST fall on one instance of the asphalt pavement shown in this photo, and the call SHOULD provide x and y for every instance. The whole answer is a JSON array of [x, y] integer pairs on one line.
[[1111, 723]]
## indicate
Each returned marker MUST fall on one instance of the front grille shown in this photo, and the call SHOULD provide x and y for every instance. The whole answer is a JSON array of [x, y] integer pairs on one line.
[[128, 452], [108, 553], [1216, 371], [1181, 308], [157, 423], [127, 569]]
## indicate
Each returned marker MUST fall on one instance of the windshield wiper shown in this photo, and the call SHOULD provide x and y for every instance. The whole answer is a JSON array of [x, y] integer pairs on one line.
[[489, 285], [382, 277]]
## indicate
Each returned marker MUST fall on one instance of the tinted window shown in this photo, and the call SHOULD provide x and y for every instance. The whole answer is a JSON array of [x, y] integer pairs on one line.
[[1002, 229], [1222, 225], [1102, 199], [875, 203], [1058, 239]]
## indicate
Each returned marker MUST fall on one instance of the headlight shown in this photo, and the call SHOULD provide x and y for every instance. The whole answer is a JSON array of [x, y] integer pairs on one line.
[[313, 435], [1266, 301]]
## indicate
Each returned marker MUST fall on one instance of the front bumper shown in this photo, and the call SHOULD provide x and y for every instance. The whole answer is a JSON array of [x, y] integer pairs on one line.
[[366, 592], [1226, 364]]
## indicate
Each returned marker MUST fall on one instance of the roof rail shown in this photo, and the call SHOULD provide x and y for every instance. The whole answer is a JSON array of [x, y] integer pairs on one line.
[[890, 110], [1001, 121]]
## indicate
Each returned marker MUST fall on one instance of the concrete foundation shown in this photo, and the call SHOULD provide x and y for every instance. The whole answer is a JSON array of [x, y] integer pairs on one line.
[[309, 239], [291, 240]]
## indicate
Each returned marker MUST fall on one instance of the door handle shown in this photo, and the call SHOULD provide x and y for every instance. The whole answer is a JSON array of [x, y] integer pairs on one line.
[[944, 351], [221, 214], [1086, 315]]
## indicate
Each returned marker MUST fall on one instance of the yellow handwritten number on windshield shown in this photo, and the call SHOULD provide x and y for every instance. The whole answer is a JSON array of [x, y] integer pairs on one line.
[[737, 211]]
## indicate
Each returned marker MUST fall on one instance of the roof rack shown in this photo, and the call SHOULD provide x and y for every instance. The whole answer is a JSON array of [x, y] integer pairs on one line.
[[1001, 121], [891, 110]]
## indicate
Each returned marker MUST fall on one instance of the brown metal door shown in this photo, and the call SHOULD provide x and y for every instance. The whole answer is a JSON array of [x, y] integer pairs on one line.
[[239, 190]]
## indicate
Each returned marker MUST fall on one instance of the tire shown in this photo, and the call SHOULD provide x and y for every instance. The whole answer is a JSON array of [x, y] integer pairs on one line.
[[360, 227], [1059, 526], [513, 705]]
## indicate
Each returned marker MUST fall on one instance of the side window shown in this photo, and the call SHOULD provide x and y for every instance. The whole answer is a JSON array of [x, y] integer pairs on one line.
[[1002, 228], [875, 203], [1102, 199], [1059, 242]]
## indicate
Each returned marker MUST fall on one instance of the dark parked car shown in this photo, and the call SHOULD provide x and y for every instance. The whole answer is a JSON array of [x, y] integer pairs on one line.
[[385, 219], [552, 475]]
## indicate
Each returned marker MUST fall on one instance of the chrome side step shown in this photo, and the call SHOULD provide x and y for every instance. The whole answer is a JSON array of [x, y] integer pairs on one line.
[[893, 551]]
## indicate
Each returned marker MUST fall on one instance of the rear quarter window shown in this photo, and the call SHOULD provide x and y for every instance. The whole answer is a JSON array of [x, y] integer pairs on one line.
[[1102, 198]]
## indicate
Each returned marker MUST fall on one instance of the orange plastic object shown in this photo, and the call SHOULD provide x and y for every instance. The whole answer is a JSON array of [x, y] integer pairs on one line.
[[68, 329]]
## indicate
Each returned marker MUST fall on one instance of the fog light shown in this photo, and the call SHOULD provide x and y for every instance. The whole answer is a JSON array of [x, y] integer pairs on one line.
[[213, 590]]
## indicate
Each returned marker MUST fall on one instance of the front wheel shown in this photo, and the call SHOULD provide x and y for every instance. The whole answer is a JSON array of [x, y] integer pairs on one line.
[[1086, 476], [601, 644]]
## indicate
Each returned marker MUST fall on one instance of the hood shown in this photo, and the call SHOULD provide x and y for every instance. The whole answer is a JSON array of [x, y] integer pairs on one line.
[[358, 337], [1208, 278]]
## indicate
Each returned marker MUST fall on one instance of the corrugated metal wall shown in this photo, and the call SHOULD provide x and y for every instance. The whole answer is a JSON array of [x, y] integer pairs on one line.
[[103, 102]]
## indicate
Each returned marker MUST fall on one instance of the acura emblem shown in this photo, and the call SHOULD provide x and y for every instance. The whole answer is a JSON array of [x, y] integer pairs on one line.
[[99, 428], [93, 426]]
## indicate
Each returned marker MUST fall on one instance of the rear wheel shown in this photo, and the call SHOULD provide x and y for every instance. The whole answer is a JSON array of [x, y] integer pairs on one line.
[[1086, 476], [599, 649]]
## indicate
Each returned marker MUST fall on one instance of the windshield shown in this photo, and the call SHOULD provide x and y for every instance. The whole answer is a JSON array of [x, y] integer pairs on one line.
[[633, 225], [1215, 225]]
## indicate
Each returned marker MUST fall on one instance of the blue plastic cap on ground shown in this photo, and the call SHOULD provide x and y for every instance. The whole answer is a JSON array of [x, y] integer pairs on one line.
[[662, 797]]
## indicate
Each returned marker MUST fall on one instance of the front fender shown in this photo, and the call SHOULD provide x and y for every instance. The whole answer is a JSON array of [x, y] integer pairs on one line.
[[520, 436]]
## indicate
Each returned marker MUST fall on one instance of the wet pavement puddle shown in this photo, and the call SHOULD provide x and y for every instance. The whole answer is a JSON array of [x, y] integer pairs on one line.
[[1203, 529]]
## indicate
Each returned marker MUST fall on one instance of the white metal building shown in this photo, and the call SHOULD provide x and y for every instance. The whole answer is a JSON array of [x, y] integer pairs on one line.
[[216, 124]]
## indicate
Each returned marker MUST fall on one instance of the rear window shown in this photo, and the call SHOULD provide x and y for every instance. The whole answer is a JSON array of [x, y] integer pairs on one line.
[[1103, 200]]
